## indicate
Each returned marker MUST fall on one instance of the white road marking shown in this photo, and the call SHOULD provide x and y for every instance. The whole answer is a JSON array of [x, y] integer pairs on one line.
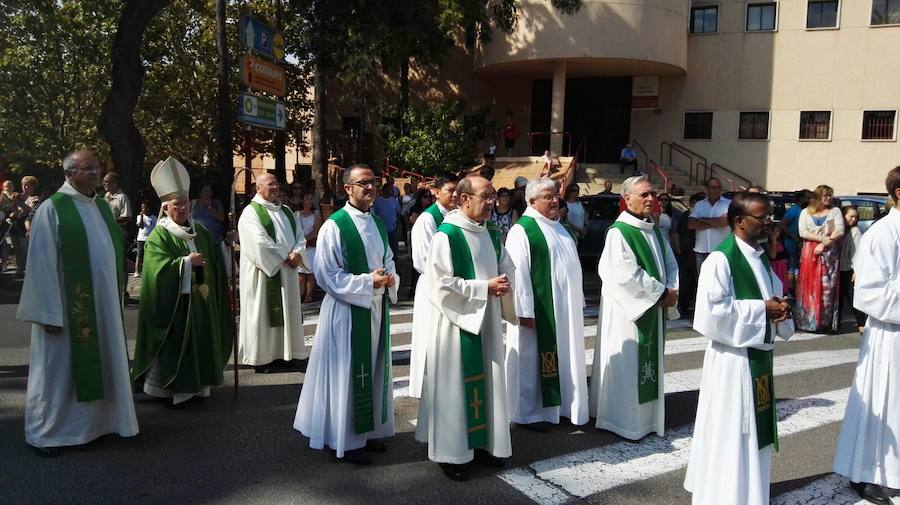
[[563, 478], [832, 490], [689, 380]]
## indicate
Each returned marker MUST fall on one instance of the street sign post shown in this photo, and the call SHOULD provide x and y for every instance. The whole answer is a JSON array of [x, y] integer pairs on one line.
[[260, 111], [261, 38], [261, 75]]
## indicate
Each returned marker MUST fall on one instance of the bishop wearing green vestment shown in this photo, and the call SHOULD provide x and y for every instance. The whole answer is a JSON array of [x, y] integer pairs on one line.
[[185, 324]]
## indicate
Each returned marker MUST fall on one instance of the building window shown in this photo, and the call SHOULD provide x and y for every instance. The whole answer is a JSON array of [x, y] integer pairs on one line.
[[754, 126], [815, 125], [885, 12], [705, 19], [761, 16], [822, 14], [698, 125], [878, 125]]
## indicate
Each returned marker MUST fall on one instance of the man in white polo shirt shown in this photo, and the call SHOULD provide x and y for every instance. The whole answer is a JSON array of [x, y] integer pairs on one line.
[[709, 219]]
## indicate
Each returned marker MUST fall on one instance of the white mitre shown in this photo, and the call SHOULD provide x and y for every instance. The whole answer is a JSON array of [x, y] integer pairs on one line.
[[170, 179]]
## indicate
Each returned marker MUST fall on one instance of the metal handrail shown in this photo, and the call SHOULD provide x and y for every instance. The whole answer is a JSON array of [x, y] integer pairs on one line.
[[687, 153], [392, 170], [651, 164], [716, 170], [566, 136]]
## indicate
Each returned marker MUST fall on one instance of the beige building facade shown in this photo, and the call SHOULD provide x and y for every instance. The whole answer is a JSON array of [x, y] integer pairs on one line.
[[782, 93]]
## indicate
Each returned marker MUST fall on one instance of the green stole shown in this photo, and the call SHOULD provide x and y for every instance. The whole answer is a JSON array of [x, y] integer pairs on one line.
[[436, 214], [544, 316], [79, 291], [746, 288], [273, 284], [470, 344], [355, 261], [649, 337]]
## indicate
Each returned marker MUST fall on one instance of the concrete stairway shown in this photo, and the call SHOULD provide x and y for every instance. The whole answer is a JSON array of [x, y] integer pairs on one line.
[[591, 177]]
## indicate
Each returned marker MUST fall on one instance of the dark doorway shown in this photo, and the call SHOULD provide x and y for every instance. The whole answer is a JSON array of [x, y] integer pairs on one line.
[[598, 112]]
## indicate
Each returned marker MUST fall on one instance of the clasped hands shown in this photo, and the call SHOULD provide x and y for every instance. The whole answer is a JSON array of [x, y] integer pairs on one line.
[[778, 309], [382, 278], [670, 299], [498, 286], [293, 260]]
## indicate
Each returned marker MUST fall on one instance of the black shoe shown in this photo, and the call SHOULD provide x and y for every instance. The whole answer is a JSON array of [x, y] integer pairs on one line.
[[262, 368], [872, 493], [354, 457], [46, 452], [454, 472], [375, 446], [486, 458], [540, 427]]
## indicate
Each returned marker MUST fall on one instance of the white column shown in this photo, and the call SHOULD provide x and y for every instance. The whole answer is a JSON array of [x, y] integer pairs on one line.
[[558, 108]]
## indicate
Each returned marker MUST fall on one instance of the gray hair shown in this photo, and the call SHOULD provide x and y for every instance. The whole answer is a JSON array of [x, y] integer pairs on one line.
[[68, 163], [631, 182], [536, 186]]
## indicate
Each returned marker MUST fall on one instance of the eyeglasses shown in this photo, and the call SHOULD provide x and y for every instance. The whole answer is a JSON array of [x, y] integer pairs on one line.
[[767, 218], [366, 184], [487, 198]]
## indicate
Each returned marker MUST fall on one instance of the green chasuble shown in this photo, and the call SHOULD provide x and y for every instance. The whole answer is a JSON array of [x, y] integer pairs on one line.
[[435, 212], [361, 370], [470, 344], [649, 337], [273, 284], [762, 379], [190, 335], [544, 316], [79, 291]]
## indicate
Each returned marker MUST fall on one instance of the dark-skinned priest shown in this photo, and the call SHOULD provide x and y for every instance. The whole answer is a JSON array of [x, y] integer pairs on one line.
[[346, 401], [463, 411], [740, 310], [639, 292], [185, 324], [545, 369]]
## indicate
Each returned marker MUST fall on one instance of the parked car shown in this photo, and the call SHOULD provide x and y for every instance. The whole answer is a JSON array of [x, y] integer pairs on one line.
[[871, 208], [601, 211]]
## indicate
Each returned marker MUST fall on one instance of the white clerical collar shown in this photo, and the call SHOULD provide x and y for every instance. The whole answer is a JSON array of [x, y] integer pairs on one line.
[[444, 210], [627, 218], [68, 189], [456, 217], [754, 251], [534, 214], [184, 232], [894, 213], [265, 203], [353, 211]]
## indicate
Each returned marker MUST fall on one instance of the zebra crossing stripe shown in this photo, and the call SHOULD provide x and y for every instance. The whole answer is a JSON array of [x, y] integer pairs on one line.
[[689, 380], [568, 477], [832, 490]]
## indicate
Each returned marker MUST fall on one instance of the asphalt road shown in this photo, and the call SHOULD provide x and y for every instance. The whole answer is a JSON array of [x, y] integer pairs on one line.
[[237, 450]]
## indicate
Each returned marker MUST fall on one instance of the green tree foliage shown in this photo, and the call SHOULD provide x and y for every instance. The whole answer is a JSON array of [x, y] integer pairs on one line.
[[54, 66], [434, 139]]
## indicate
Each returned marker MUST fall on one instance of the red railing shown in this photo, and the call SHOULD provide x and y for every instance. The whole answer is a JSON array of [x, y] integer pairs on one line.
[[398, 172], [567, 136], [737, 181], [692, 156]]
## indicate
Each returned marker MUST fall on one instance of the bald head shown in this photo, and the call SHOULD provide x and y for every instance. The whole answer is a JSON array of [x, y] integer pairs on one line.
[[476, 198], [82, 171], [267, 187]]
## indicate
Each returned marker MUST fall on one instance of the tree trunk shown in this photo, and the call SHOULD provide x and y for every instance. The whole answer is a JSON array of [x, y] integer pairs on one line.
[[319, 141], [223, 122], [404, 84], [279, 144], [116, 122]]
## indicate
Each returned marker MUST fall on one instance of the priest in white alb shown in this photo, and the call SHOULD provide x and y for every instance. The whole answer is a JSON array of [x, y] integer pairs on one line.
[[545, 369], [79, 387], [346, 401], [272, 246], [740, 310], [422, 232], [639, 292], [868, 450], [463, 412]]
